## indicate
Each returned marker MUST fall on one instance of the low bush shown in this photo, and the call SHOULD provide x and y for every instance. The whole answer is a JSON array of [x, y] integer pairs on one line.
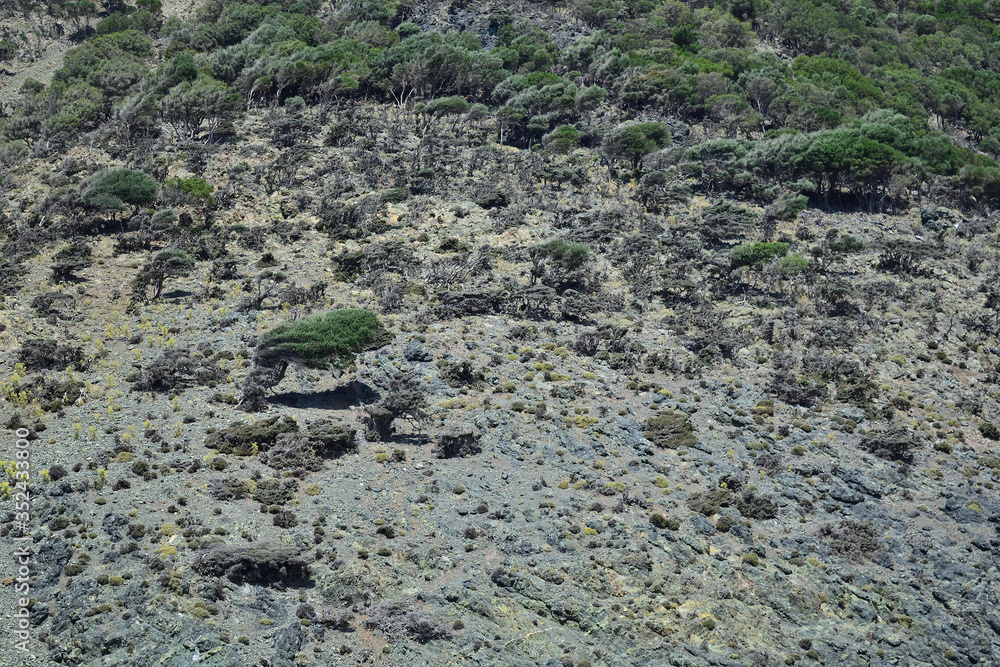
[[42, 354], [178, 368], [258, 562], [893, 445], [854, 540], [755, 254], [239, 437], [670, 430]]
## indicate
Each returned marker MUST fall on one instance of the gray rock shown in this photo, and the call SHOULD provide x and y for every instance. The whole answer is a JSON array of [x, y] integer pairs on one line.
[[863, 609], [958, 508], [287, 643], [884, 559], [875, 512], [629, 433], [702, 525], [846, 495], [415, 351], [38, 614], [113, 525], [52, 558], [861, 482], [805, 469], [742, 532]]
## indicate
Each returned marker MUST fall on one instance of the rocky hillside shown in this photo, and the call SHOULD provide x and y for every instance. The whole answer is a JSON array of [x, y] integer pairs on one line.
[[633, 382]]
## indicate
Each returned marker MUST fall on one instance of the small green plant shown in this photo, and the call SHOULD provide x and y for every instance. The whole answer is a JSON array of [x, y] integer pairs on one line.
[[846, 244]]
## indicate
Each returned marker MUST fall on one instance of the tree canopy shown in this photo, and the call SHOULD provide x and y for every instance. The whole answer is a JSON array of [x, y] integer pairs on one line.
[[116, 189], [328, 340], [632, 141]]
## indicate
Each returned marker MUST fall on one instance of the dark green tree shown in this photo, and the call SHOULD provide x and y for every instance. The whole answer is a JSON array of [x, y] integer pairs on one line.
[[757, 254], [112, 190], [439, 108], [632, 141], [166, 264], [205, 101], [563, 139], [329, 340]]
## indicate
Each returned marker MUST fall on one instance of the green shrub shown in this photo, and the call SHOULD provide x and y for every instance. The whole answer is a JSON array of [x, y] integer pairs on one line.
[[113, 189], [989, 430], [445, 106], [141, 21], [632, 141], [567, 254], [791, 265], [755, 254], [787, 206], [663, 522], [240, 437], [8, 50], [670, 430], [847, 243], [194, 187], [328, 340], [495, 199], [563, 139], [395, 195]]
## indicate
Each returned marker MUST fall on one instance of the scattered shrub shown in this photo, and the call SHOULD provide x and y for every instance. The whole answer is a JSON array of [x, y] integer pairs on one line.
[[854, 540], [41, 354], [756, 254], [989, 430], [710, 502], [258, 562], [670, 430], [178, 368], [893, 444], [240, 437], [397, 621]]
